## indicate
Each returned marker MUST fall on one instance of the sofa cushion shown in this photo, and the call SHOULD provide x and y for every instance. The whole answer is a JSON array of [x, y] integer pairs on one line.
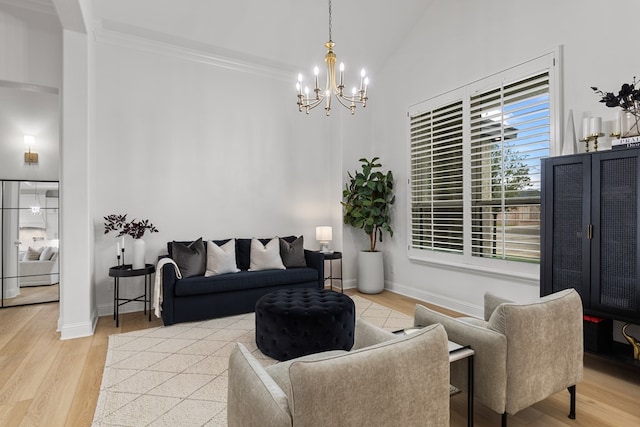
[[32, 254], [221, 259], [243, 250], [191, 259], [265, 256], [292, 253], [244, 280], [47, 253]]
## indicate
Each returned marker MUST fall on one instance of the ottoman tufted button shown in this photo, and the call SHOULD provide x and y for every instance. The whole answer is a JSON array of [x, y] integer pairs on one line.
[[297, 322]]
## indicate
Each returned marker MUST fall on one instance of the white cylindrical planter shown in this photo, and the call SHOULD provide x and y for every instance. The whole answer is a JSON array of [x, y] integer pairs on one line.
[[138, 254], [370, 272]]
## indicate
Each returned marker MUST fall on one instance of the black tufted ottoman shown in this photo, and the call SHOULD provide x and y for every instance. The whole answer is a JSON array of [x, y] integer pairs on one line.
[[296, 322]]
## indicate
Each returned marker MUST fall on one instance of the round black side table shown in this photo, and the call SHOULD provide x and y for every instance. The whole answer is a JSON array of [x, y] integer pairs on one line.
[[331, 257], [126, 270]]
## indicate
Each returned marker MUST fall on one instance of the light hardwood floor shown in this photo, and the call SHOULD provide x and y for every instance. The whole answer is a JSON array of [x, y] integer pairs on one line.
[[48, 382], [34, 294]]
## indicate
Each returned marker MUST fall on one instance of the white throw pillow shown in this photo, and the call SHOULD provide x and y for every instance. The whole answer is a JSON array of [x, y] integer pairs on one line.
[[46, 254], [221, 259], [265, 257]]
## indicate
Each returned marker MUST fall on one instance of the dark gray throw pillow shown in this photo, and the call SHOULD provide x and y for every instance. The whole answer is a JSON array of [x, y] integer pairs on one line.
[[191, 259], [292, 254]]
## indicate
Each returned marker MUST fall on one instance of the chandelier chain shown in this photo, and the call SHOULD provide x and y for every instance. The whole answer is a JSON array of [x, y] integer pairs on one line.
[[330, 39]]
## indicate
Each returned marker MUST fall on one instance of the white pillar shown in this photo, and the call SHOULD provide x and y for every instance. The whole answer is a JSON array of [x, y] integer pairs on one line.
[[78, 314]]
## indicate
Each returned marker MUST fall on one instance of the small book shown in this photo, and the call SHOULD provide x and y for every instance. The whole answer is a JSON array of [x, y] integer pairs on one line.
[[625, 145]]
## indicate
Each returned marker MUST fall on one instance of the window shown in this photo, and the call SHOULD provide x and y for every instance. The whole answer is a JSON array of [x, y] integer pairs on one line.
[[475, 167]]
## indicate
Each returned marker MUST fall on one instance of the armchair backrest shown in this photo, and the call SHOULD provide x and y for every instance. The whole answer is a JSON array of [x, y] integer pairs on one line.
[[544, 346], [398, 382]]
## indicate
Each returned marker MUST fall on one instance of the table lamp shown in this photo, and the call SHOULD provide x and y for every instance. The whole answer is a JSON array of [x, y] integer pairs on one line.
[[323, 236]]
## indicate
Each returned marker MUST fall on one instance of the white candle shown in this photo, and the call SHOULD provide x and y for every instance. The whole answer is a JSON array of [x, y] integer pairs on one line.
[[596, 125], [617, 124], [123, 243], [118, 250], [586, 125]]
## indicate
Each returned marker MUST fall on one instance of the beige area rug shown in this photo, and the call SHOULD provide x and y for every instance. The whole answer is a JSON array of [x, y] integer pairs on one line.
[[177, 375]]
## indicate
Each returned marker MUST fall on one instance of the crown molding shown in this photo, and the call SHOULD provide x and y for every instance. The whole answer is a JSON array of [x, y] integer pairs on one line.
[[41, 6], [125, 35]]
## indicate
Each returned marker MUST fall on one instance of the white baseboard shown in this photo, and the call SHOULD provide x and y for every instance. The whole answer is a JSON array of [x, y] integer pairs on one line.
[[107, 309], [439, 300], [78, 330]]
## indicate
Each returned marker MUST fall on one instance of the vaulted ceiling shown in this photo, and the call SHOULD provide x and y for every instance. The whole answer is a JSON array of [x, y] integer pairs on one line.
[[291, 32]]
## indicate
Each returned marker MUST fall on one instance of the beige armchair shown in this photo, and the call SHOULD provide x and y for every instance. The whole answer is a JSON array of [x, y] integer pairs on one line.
[[383, 381], [524, 352]]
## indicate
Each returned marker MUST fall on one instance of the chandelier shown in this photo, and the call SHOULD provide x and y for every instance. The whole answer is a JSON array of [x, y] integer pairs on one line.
[[358, 97], [35, 207]]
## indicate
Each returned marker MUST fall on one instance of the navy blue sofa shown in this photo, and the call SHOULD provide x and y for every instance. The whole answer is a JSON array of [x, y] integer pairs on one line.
[[199, 297]]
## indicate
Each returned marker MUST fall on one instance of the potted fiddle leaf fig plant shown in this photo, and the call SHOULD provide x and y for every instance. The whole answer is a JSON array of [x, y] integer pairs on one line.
[[367, 200]]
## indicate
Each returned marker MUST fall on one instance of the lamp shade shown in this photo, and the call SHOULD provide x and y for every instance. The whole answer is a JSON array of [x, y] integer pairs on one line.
[[29, 141], [323, 233]]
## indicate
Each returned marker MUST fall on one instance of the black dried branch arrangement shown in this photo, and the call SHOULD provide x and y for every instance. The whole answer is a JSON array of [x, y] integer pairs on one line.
[[627, 98], [133, 228]]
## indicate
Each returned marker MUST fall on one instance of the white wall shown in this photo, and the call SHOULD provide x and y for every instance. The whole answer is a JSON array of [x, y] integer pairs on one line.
[[457, 42], [30, 77], [202, 150], [27, 109], [30, 50]]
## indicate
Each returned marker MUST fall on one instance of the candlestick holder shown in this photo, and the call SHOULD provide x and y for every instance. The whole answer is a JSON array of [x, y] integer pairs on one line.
[[122, 256], [118, 256], [591, 137], [616, 134]]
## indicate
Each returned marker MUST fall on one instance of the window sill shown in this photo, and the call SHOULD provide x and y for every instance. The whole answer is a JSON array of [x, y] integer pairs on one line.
[[527, 274]]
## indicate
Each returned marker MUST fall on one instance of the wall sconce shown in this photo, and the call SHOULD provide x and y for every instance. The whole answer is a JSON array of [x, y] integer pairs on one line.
[[29, 157], [323, 235]]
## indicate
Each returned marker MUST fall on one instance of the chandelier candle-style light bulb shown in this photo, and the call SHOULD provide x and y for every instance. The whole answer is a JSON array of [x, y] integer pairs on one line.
[[333, 86]]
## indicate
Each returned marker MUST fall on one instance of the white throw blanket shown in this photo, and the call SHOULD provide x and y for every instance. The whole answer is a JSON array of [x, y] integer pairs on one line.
[[157, 294]]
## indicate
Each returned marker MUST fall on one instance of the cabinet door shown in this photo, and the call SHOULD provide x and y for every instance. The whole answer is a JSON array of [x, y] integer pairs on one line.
[[565, 253], [614, 284]]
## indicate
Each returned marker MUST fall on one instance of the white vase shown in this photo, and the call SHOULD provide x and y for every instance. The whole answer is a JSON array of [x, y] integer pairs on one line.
[[370, 272], [138, 254], [569, 145]]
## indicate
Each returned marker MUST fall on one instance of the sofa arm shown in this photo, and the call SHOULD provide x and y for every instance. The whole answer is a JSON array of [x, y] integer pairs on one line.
[[169, 280], [315, 260], [490, 360], [253, 397]]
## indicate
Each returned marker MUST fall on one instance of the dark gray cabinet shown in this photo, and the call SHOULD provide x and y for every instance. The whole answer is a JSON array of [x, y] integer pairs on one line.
[[589, 231]]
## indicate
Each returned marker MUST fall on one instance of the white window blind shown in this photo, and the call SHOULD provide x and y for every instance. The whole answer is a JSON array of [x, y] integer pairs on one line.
[[509, 134], [436, 177], [475, 166]]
